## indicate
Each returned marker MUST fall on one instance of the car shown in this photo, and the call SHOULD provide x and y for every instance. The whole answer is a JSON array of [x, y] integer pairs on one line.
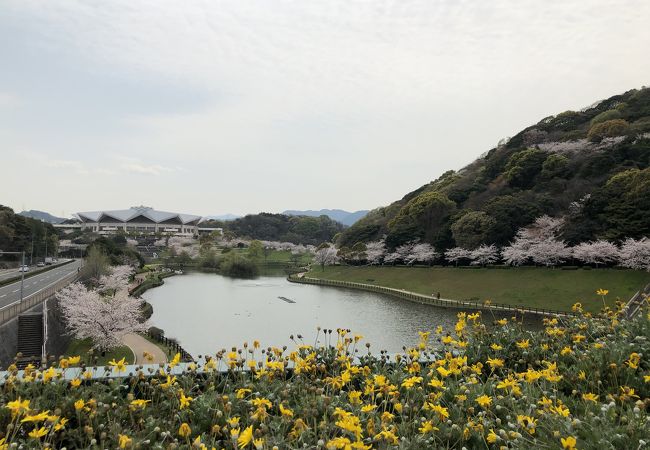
[[40, 264], [23, 269]]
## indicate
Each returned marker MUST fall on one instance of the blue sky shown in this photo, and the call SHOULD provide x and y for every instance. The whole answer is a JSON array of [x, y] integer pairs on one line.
[[210, 107]]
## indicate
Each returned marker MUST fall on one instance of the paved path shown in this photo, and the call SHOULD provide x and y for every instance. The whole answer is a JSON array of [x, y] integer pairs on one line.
[[139, 345]]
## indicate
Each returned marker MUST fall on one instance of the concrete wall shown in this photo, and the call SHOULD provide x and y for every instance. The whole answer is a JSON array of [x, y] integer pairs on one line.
[[57, 340], [9, 338]]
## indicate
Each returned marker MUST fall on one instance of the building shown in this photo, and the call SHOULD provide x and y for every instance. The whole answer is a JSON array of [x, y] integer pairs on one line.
[[140, 220]]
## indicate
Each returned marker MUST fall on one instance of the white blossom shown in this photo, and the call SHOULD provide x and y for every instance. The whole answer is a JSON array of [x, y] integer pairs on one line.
[[635, 254], [484, 255], [597, 252], [326, 256], [422, 253], [456, 254], [103, 318], [375, 252]]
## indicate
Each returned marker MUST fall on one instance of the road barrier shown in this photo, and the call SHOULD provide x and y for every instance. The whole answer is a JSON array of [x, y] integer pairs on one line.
[[12, 310], [429, 299]]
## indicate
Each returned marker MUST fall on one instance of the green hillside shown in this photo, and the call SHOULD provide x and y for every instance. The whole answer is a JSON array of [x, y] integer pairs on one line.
[[590, 166]]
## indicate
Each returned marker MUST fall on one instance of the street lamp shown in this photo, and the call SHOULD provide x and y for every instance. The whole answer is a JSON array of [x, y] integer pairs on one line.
[[22, 272]]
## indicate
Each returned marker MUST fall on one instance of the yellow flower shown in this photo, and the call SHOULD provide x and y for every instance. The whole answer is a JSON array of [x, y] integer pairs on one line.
[[184, 430], [18, 406], [286, 412], [582, 375], [442, 412], [427, 427], [245, 437], [241, 393], [590, 397], [139, 403], [436, 383], [3, 444], [601, 292], [175, 360], [523, 344], [233, 422], [38, 433], [633, 361], [494, 363], [258, 444], [124, 441], [118, 366], [79, 405], [40, 417], [491, 437], [484, 401], [527, 422], [185, 401], [76, 382], [368, 408], [566, 351], [502, 322], [496, 347], [387, 436], [569, 443], [410, 382]]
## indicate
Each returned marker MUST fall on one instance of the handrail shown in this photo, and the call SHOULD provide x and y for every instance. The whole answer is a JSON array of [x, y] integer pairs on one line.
[[426, 299]]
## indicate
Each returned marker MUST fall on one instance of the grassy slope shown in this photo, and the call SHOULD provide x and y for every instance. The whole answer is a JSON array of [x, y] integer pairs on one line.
[[82, 346], [526, 286]]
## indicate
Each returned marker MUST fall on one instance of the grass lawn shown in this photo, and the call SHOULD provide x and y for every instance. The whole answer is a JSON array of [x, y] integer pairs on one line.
[[523, 286], [81, 347]]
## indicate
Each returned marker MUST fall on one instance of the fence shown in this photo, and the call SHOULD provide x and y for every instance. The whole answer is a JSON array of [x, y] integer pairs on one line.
[[172, 345], [10, 311], [428, 299], [634, 305]]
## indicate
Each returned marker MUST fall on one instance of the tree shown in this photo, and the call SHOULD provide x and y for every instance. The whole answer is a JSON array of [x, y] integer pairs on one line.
[[104, 314], [635, 254], [473, 229], [609, 128], [96, 265], [456, 254], [517, 253], [523, 167], [549, 252], [597, 252], [538, 243], [375, 252], [422, 253], [484, 255], [255, 250], [421, 217], [325, 256]]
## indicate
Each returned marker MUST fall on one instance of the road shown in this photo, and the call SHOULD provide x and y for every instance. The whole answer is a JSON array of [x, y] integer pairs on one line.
[[11, 292], [10, 273]]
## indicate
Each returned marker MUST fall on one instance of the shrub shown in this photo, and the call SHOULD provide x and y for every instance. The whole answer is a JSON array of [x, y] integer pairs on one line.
[[610, 128], [604, 116]]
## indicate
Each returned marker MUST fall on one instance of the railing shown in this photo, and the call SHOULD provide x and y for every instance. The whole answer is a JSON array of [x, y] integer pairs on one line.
[[172, 345], [636, 302], [12, 310], [428, 299]]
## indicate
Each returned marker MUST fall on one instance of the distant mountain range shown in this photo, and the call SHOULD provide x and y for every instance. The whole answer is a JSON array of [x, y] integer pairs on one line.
[[344, 217], [42, 215], [222, 217]]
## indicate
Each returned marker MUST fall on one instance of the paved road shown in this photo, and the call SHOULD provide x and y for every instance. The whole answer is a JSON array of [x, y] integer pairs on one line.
[[10, 273], [11, 292]]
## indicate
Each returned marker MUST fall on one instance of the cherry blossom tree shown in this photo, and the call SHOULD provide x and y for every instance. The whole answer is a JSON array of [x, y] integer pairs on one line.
[[118, 278], [326, 256], [103, 317], [517, 253], [422, 253], [549, 252], [597, 252], [635, 254], [457, 254], [484, 255], [375, 252]]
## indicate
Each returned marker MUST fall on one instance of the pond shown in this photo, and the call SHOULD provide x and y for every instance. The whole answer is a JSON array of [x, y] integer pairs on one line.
[[209, 312]]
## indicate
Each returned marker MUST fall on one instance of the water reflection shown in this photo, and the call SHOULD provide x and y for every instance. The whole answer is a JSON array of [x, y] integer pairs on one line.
[[208, 312]]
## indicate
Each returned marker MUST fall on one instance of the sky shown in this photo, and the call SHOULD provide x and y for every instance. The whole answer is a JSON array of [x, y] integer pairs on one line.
[[212, 107]]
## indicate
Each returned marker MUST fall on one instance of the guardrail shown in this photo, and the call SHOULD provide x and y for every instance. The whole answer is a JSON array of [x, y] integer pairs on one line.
[[428, 299], [12, 310], [172, 346], [636, 302]]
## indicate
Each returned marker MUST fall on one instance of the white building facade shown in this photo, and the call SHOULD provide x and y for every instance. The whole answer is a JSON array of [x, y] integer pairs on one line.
[[140, 220]]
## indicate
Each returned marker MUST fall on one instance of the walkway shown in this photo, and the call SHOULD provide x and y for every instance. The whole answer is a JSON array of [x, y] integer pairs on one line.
[[139, 345]]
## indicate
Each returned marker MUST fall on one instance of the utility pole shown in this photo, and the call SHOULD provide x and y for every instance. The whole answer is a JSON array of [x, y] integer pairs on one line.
[[31, 254]]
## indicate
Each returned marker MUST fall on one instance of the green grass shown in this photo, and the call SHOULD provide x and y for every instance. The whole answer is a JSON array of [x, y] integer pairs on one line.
[[524, 286], [82, 347]]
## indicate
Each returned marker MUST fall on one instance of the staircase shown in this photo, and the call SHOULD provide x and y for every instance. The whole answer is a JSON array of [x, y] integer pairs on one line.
[[30, 339]]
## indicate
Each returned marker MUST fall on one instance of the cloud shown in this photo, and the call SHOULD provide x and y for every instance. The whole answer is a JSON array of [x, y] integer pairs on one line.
[[144, 169]]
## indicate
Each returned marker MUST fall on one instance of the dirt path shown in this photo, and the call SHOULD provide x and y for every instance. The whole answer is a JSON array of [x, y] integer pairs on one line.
[[139, 345]]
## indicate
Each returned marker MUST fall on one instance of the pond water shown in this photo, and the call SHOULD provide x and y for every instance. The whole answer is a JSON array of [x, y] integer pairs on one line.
[[208, 312]]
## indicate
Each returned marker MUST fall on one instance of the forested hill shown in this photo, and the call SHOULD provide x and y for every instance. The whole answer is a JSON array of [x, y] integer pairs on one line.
[[588, 166], [280, 227]]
